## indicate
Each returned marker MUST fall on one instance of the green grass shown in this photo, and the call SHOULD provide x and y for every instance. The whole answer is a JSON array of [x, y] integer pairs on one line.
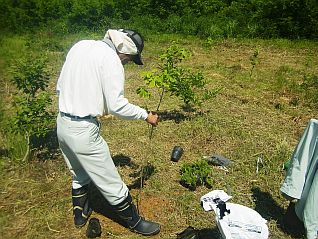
[[258, 116]]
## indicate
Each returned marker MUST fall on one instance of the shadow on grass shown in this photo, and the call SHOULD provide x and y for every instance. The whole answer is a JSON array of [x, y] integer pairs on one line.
[[46, 146], [121, 160], [206, 233], [42, 148], [179, 116], [268, 208], [141, 175], [210, 233], [176, 116]]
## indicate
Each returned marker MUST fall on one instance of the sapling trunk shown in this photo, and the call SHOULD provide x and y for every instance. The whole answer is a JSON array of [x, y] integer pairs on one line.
[[142, 162], [160, 100], [27, 153]]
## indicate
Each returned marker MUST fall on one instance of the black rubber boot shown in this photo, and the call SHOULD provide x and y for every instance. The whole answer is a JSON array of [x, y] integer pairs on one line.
[[81, 209], [127, 211]]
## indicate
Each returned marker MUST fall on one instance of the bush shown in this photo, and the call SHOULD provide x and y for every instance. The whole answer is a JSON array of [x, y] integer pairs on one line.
[[31, 103], [196, 174]]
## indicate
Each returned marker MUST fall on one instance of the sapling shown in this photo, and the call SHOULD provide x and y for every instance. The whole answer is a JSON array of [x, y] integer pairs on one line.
[[196, 174], [176, 80], [254, 59], [31, 102], [172, 78]]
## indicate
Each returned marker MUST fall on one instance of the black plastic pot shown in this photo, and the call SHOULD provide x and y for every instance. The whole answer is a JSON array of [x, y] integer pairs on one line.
[[176, 153]]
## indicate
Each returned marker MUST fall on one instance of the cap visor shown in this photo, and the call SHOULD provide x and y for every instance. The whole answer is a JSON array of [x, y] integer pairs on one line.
[[137, 60]]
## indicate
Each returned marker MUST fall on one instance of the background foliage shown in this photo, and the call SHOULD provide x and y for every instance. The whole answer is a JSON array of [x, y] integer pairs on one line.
[[214, 18]]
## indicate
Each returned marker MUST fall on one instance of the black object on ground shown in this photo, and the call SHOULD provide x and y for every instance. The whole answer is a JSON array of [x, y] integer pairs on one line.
[[189, 233], [222, 206], [93, 229], [218, 160], [176, 153]]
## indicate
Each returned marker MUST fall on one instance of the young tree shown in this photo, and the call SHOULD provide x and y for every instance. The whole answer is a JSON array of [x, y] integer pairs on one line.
[[176, 80], [31, 102]]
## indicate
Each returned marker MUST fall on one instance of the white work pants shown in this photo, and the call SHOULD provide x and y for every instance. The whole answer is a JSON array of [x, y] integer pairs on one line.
[[88, 158]]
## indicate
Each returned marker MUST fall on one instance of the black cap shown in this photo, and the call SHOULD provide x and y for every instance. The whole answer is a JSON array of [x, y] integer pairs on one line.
[[139, 42]]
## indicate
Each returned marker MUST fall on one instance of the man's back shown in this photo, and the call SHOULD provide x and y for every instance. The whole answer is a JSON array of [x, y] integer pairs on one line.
[[80, 83]]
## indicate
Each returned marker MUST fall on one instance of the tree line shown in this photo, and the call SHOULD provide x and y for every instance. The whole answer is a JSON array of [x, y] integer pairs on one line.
[[208, 18]]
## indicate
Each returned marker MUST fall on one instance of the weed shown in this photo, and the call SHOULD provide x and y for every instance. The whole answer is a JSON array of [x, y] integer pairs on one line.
[[254, 59], [283, 74], [210, 42], [310, 87], [196, 174]]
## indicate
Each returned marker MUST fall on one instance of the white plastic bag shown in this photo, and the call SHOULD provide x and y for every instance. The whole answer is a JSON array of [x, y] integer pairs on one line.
[[242, 223]]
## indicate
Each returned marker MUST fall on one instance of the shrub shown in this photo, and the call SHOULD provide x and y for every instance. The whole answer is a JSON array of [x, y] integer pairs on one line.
[[196, 174], [31, 103]]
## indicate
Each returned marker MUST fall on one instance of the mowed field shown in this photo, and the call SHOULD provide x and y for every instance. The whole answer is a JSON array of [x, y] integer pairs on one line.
[[259, 113]]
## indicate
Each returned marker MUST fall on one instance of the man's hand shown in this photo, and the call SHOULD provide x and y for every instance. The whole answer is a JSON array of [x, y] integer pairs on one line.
[[152, 119]]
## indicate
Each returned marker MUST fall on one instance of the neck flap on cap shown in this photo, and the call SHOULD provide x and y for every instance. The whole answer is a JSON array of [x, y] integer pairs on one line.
[[123, 43]]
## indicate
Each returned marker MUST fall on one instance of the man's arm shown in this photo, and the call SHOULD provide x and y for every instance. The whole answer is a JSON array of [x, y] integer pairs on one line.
[[113, 89]]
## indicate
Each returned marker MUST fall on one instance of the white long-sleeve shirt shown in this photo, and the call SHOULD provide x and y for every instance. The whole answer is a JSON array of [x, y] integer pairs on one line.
[[92, 83]]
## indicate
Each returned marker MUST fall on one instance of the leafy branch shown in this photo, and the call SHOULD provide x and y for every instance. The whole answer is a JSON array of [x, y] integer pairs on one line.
[[176, 80], [196, 174]]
